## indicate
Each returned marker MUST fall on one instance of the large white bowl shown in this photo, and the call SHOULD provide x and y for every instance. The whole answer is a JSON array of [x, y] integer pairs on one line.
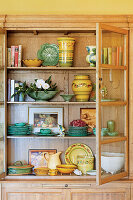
[[112, 162]]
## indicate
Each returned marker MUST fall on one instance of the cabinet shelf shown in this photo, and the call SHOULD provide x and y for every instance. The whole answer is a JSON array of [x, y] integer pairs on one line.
[[51, 68], [58, 177], [106, 66], [54, 103]]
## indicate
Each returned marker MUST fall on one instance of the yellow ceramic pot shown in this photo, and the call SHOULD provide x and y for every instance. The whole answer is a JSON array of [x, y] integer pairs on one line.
[[85, 163], [82, 87], [66, 48]]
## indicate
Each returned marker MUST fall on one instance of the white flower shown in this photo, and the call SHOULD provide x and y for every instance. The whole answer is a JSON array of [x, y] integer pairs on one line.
[[40, 83], [45, 86]]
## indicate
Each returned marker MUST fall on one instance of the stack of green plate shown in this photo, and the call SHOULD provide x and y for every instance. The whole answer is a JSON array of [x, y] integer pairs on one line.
[[77, 131], [19, 129]]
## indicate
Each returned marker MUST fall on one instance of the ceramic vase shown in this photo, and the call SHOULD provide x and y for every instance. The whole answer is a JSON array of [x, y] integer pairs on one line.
[[82, 87], [66, 49], [91, 57]]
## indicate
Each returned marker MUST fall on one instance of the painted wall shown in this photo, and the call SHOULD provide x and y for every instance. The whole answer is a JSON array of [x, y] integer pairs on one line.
[[66, 7]]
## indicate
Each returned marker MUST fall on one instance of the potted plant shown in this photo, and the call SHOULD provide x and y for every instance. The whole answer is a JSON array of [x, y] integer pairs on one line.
[[40, 90]]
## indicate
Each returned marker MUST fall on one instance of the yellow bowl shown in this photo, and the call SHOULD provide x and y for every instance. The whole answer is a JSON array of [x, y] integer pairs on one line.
[[32, 62], [41, 171], [66, 169]]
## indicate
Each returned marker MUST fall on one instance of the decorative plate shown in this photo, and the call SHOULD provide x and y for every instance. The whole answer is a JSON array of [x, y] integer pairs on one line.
[[49, 53], [74, 150]]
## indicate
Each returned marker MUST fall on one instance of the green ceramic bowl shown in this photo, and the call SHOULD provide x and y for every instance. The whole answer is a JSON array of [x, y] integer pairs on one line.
[[67, 97], [43, 96], [45, 131]]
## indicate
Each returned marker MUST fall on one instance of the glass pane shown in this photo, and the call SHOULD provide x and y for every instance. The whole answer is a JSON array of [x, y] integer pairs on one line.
[[112, 48], [113, 159], [113, 85], [113, 122], [2, 101]]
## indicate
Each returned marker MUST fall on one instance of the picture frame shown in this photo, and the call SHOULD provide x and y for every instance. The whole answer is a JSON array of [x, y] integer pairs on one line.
[[88, 115], [37, 159], [45, 118]]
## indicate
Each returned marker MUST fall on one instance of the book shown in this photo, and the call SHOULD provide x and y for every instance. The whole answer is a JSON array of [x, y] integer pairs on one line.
[[117, 55], [9, 57], [110, 56], [1, 56], [16, 84], [16, 57], [114, 56], [9, 90], [105, 56], [12, 56], [19, 55], [121, 56], [12, 89]]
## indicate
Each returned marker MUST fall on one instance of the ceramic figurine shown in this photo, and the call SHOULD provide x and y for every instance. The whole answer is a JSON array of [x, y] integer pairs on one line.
[[61, 131]]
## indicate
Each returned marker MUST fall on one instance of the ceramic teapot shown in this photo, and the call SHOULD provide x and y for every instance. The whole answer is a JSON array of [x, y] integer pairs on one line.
[[53, 160]]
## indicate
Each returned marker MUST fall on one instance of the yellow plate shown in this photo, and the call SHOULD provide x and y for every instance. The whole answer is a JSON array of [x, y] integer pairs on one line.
[[74, 150]]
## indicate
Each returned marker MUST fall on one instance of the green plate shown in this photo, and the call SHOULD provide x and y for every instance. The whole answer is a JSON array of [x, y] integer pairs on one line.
[[49, 53], [47, 135]]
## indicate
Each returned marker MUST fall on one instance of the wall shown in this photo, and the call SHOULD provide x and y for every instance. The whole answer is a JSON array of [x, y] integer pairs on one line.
[[66, 7]]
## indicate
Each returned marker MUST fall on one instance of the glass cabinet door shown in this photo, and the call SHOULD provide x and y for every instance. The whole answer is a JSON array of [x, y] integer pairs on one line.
[[111, 103], [2, 102]]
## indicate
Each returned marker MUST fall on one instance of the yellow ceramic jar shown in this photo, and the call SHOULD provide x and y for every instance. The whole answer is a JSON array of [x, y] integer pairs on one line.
[[82, 87], [85, 163], [66, 51]]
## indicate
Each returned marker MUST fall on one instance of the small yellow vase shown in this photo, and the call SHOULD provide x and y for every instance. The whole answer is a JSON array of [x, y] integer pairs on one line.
[[82, 87]]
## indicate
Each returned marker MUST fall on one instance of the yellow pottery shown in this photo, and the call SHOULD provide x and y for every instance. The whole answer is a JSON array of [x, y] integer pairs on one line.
[[82, 87], [53, 160], [85, 163], [66, 48]]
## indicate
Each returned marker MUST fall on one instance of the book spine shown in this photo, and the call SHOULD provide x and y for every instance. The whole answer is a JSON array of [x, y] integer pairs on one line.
[[16, 84], [1, 56], [117, 55], [19, 55], [9, 57], [114, 56], [12, 56], [110, 56], [16, 56], [9, 90], [12, 89], [121, 56], [105, 56]]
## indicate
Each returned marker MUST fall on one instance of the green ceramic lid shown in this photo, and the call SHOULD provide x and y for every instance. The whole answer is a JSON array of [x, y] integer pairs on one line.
[[49, 53]]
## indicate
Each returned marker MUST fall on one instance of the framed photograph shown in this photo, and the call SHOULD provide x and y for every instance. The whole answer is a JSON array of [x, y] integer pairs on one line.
[[38, 157], [88, 115], [46, 118]]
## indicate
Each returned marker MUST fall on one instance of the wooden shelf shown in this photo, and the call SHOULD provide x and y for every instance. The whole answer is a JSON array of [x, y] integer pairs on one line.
[[47, 177], [113, 103], [46, 137], [106, 66], [53, 103], [51, 68]]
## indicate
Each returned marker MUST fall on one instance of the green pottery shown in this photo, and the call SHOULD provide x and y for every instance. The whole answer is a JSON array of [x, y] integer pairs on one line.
[[67, 97], [43, 96]]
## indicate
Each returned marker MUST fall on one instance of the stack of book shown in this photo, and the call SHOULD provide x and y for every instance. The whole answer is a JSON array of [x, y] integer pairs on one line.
[[12, 84], [14, 56], [113, 56]]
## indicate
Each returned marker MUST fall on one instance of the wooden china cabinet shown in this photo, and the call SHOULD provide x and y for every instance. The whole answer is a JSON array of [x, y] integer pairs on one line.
[[103, 32]]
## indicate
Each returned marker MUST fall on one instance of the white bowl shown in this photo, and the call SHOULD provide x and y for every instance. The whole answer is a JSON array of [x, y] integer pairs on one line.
[[112, 162]]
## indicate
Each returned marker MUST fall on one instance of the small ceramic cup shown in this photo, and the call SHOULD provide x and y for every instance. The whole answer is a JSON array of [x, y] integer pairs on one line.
[[104, 131], [53, 172]]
